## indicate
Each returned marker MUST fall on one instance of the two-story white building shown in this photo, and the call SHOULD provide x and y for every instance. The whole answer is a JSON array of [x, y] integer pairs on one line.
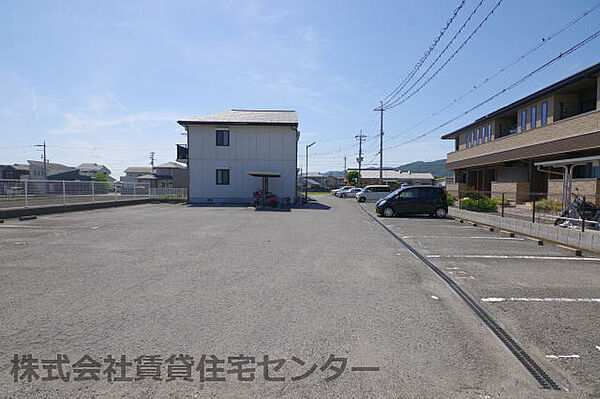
[[232, 154]]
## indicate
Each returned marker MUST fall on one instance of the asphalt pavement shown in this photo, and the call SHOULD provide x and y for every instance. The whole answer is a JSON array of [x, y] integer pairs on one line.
[[338, 306]]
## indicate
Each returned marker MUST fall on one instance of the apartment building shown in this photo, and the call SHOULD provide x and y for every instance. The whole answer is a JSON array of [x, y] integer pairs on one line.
[[234, 153], [547, 142]]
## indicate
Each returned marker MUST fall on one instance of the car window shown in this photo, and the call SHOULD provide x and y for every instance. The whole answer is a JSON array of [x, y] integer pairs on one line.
[[410, 193]]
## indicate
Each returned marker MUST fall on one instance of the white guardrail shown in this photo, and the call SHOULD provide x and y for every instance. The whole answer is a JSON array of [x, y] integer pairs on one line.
[[27, 193]]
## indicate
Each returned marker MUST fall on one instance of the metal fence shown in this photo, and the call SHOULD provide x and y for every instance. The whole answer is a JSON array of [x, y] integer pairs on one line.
[[582, 211], [29, 193]]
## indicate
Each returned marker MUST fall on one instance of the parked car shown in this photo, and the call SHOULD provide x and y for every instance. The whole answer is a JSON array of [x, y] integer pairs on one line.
[[374, 192], [430, 200], [337, 190], [349, 192]]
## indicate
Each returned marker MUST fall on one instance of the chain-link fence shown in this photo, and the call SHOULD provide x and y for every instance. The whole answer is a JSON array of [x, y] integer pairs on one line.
[[581, 212], [30, 193]]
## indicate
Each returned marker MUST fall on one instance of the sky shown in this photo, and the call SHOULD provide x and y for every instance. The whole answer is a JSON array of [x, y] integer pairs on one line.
[[105, 82]]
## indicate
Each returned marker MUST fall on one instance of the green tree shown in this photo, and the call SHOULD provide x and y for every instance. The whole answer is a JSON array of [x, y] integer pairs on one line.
[[100, 177], [352, 176]]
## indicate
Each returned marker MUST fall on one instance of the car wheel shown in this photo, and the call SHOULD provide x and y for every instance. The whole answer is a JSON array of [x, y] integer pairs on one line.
[[388, 212], [362, 199], [440, 213]]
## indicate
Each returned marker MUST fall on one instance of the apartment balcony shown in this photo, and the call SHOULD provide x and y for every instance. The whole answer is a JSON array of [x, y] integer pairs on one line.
[[182, 153], [580, 132]]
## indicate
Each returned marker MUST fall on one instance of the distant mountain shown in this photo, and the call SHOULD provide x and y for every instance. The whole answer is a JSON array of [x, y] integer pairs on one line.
[[336, 173], [436, 168]]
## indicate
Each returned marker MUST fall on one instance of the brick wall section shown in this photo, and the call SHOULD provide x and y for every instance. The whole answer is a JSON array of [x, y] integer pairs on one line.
[[588, 187], [518, 191], [577, 125]]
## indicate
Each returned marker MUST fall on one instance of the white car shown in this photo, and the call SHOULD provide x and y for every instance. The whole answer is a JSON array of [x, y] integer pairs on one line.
[[373, 193], [337, 191], [349, 192]]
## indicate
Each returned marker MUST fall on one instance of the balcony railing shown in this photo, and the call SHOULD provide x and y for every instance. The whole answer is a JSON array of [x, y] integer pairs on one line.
[[565, 128]]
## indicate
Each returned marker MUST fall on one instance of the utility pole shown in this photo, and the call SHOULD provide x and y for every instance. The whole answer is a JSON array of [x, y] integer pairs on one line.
[[44, 158], [306, 175], [381, 144], [361, 137], [152, 160]]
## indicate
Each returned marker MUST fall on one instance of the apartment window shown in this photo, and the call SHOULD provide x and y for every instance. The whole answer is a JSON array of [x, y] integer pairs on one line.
[[533, 116], [223, 176], [544, 119], [523, 120], [489, 132], [223, 138], [468, 139], [478, 136]]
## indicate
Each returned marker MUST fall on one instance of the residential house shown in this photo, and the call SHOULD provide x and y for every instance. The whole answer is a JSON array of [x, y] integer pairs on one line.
[[172, 175], [133, 172], [394, 177], [14, 172], [544, 144], [90, 169], [37, 171], [232, 154]]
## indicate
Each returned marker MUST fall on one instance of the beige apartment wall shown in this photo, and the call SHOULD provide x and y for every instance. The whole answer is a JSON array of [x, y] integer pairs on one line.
[[515, 191], [580, 124], [589, 187]]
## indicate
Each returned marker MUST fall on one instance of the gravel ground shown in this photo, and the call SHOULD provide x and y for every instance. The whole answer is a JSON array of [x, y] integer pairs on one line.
[[301, 285]]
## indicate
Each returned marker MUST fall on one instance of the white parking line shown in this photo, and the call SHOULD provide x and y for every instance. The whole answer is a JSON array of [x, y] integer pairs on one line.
[[492, 300], [563, 356], [598, 347], [469, 238], [517, 257]]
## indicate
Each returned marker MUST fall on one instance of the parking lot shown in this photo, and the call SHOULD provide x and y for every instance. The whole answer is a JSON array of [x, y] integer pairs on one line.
[[544, 295], [298, 285]]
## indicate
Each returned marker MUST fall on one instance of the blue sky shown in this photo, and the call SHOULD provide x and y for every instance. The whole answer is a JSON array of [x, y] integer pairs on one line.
[[105, 81]]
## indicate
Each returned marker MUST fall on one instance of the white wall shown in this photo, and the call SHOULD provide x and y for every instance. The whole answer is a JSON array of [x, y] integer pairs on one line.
[[251, 148]]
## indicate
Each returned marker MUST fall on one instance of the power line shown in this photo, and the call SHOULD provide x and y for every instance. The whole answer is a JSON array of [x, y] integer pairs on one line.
[[477, 86], [507, 88], [392, 98], [405, 97], [426, 55]]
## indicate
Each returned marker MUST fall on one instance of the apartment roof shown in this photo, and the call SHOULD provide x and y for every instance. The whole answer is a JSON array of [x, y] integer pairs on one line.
[[246, 117], [20, 166], [52, 168], [138, 169], [532, 97], [170, 165]]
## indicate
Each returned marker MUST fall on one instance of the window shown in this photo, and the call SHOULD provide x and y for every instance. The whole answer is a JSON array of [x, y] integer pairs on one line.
[[223, 138], [544, 113], [411, 193], [223, 176], [533, 116], [468, 138], [478, 136], [523, 120], [489, 132]]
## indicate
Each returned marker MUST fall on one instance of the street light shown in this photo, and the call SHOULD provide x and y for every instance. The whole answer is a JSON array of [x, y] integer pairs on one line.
[[306, 175]]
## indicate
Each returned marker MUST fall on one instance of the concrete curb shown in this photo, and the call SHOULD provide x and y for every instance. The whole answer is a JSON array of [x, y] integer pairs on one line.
[[587, 241], [84, 206]]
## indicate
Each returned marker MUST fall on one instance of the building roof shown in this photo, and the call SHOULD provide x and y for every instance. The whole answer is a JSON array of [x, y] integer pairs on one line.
[[170, 165], [91, 167], [52, 168], [246, 117], [138, 169], [20, 166], [394, 174], [532, 97], [147, 176]]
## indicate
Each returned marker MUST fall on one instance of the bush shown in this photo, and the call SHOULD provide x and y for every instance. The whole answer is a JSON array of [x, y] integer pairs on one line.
[[475, 195], [548, 205], [499, 201], [450, 199], [479, 205]]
